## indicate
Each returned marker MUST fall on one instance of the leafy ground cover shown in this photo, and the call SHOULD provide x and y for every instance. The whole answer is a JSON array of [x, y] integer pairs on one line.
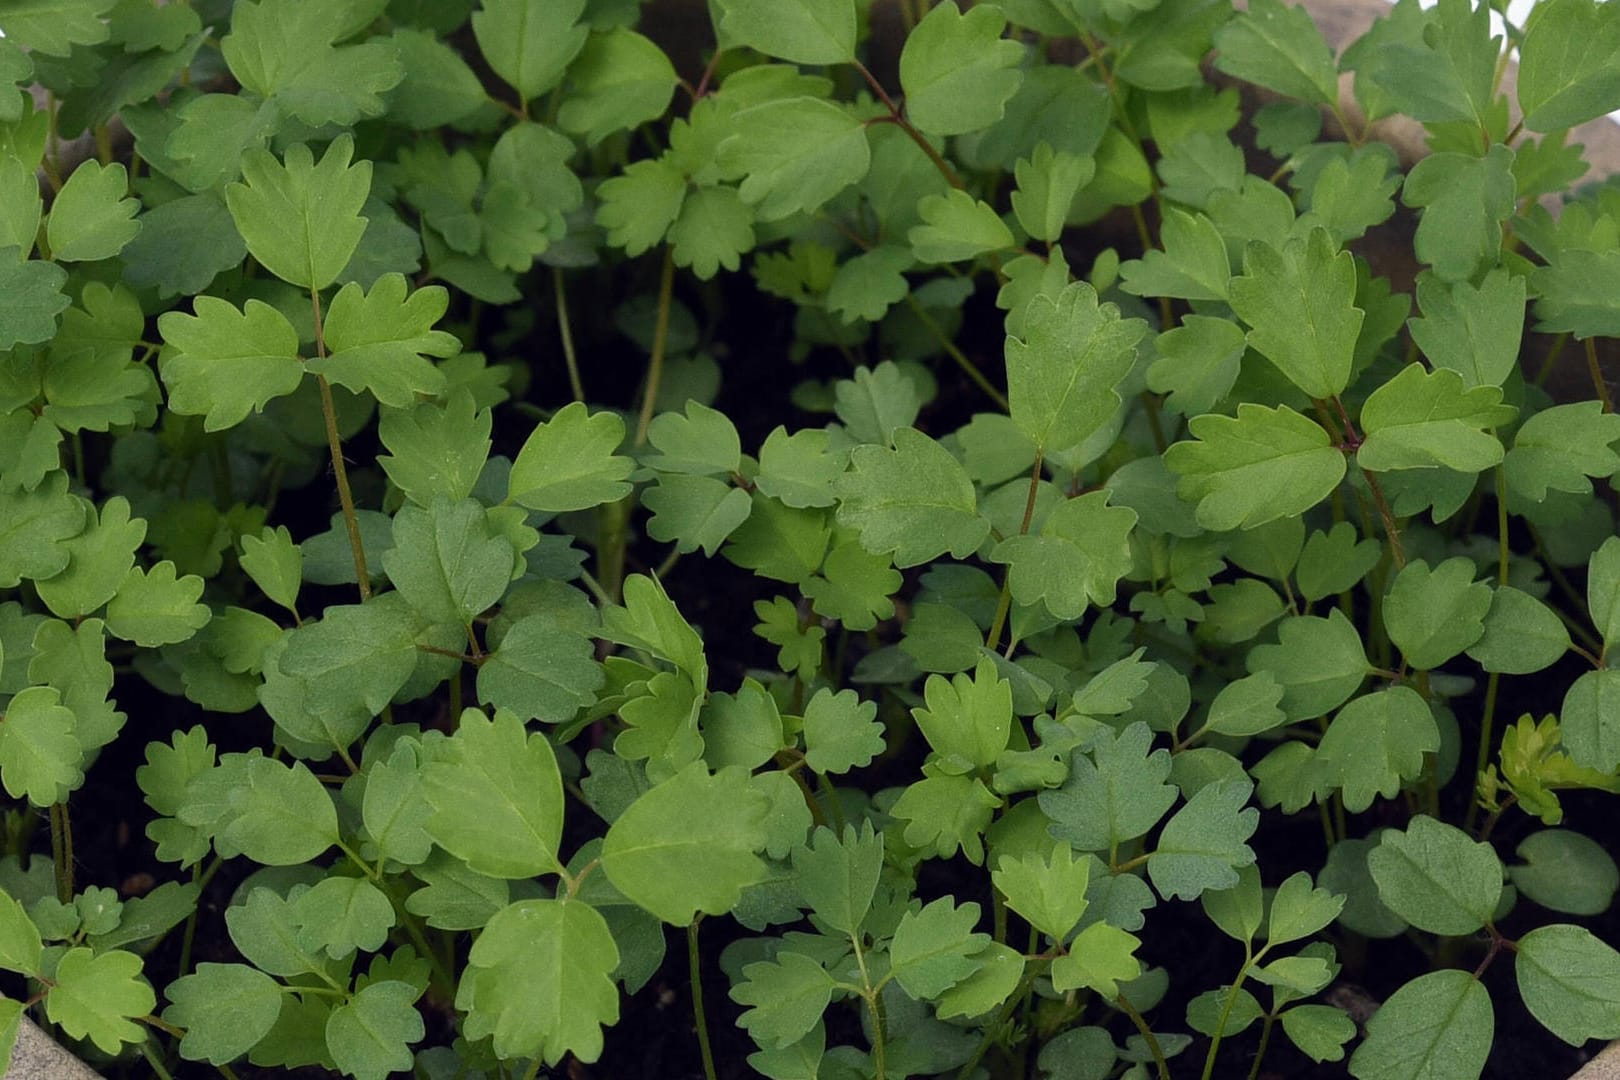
[[926, 545]]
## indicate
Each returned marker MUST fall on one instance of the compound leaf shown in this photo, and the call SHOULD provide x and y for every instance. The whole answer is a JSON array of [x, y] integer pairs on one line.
[[301, 218]]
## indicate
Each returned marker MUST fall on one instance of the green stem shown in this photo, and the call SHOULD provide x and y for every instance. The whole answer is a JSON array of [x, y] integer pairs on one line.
[[1226, 1012], [1124, 1006], [879, 1053], [1265, 1040], [154, 1062], [697, 999], [334, 445], [655, 366], [62, 851], [898, 117], [957, 355], [565, 332], [1004, 603], [1598, 384]]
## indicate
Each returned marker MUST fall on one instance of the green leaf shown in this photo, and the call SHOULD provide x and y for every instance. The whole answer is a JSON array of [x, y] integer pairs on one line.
[[301, 218], [1197, 364], [933, 948], [541, 671], [1433, 615], [1437, 1026], [91, 218], [674, 864], [1603, 590], [1264, 464], [279, 815], [19, 222], [356, 655], [1299, 303], [1247, 706], [53, 27], [225, 1010], [33, 528], [1334, 561], [956, 227], [1570, 981], [786, 997], [1061, 376], [1590, 717], [1565, 871], [1560, 447], [1319, 661], [1569, 64], [1465, 200], [795, 154], [695, 511], [957, 71], [1279, 47], [1351, 196], [1522, 635], [638, 206], [156, 607], [1223, 1011], [841, 732], [1445, 71], [98, 561], [1047, 182], [369, 1035], [1430, 419], [967, 720], [1000, 969], [1115, 793], [438, 87], [1099, 958], [1049, 892], [394, 808], [20, 948], [650, 621], [803, 31], [1375, 742], [1202, 845], [342, 914], [1192, 266], [914, 501], [96, 997], [1474, 331], [700, 442], [568, 463], [1076, 560], [447, 561], [620, 81], [876, 402], [800, 469], [31, 298], [283, 50], [944, 813], [838, 877], [497, 797], [223, 362], [379, 341], [1576, 293], [530, 43], [1319, 1031], [869, 284], [435, 449], [1436, 877], [714, 229], [540, 981]]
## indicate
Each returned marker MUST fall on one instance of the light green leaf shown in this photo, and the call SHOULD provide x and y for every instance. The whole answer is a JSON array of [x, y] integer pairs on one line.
[[841, 732], [1300, 305], [540, 981], [1560, 447], [448, 561], [1430, 419], [867, 285], [53, 27], [1522, 635], [225, 1010], [786, 997], [91, 218], [98, 561], [1464, 200], [966, 720], [1569, 64], [1377, 741], [957, 71], [568, 463], [1319, 661], [97, 997], [803, 31], [497, 797], [795, 154], [714, 229], [619, 81], [541, 671], [956, 227], [223, 362], [1438, 1026], [1192, 266], [31, 298], [1197, 364], [933, 948], [915, 500], [674, 864], [1433, 615], [838, 876], [1278, 46], [301, 218], [1099, 958], [355, 656], [1061, 376], [1076, 560], [1320, 1031], [1049, 892], [157, 607], [20, 948], [1114, 793], [379, 341], [369, 1035], [1474, 331], [278, 815], [530, 43], [1263, 464]]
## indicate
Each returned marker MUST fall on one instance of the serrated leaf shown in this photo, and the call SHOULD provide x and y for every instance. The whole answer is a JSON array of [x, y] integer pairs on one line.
[[379, 341], [225, 1010], [1433, 615], [1560, 447], [1198, 363], [803, 31], [1319, 661], [1061, 375], [98, 561], [1464, 201], [31, 298], [1438, 1026], [1375, 742], [1192, 266], [957, 71], [1115, 793], [97, 997], [540, 981], [568, 463], [795, 154], [966, 720], [299, 217], [541, 670], [841, 732], [1474, 331], [283, 50], [1430, 419], [933, 948], [1099, 958], [1300, 305], [20, 948], [369, 1035], [1279, 47], [1049, 892], [714, 229], [1438, 70], [448, 561], [355, 655], [914, 500], [91, 218], [1254, 468], [786, 997], [278, 815], [1000, 968], [1436, 877], [674, 865], [838, 876], [1568, 64], [1202, 845], [1076, 560], [157, 607], [53, 27], [497, 797], [224, 362]]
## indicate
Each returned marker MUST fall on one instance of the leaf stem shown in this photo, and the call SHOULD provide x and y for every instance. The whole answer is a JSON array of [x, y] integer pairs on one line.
[[1123, 1004], [1265, 1040], [565, 331], [897, 116], [1598, 384], [957, 354], [655, 366], [697, 998], [1004, 601], [334, 444], [62, 851]]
